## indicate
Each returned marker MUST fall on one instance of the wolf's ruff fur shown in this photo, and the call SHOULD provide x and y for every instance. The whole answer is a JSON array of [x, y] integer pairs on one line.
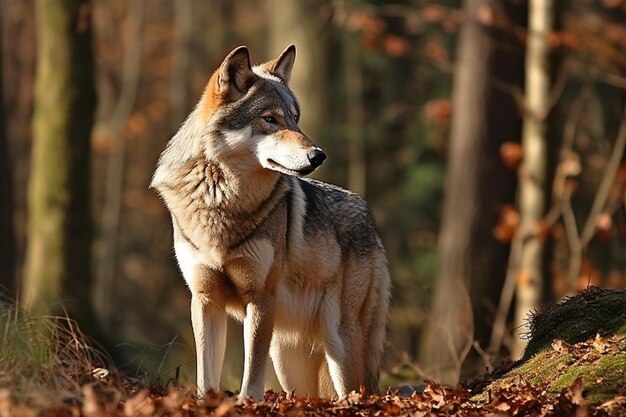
[[298, 261]]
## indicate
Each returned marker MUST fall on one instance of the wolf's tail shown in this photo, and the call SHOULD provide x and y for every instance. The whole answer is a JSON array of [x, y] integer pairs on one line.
[[377, 331]]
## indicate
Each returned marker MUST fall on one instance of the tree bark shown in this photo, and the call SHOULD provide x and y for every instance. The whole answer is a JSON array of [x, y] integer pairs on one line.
[[7, 233], [450, 330], [183, 28], [533, 172], [116, 165], [355, 112], [472, 262], [57, 270]]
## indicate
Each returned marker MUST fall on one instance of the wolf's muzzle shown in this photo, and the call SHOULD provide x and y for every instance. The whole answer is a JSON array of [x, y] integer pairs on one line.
[[316, 157]]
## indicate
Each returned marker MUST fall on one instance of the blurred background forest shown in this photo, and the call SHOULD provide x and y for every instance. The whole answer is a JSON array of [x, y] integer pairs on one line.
[[488, 137]]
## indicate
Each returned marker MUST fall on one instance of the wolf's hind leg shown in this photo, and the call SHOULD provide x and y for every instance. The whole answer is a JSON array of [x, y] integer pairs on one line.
[[345, 361], [343, 346], [297, 366], [209, 330]]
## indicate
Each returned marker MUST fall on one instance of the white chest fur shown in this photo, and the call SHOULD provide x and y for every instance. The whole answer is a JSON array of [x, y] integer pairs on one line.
[[254, 259], [190, 258]]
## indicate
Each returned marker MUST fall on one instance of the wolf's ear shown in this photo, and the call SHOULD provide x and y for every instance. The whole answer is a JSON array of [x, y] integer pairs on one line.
[[235, 75], [282, 65]]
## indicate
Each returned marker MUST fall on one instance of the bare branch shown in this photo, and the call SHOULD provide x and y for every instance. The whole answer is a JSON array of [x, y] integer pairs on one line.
[[508, 290], [409, 363], [506, 296], [573, 240], [486, 357], [513, 90], [569, 136], [612, 79], [606, 183], [559, 86]]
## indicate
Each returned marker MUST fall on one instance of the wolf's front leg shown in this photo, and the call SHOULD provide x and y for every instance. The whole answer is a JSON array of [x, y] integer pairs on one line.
[[209, 330], [257, 327], [254, 274]]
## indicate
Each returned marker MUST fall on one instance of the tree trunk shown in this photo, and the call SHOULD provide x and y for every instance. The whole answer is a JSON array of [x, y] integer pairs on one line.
[[355, 112], [7, 235], [116, 165], [302, 22], [451, 331], [472, 263], [58, 256], [183, 25], [533, 173]]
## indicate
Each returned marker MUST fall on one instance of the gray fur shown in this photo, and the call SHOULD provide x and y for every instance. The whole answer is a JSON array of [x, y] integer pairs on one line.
[[300, 262]]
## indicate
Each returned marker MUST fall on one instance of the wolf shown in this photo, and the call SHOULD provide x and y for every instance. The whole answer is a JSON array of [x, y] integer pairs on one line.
[[298, 261]]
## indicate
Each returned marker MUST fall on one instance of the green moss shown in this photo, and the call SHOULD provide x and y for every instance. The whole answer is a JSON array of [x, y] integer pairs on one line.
[[601, 378], [574, 321], [578, 319], [542, 368]]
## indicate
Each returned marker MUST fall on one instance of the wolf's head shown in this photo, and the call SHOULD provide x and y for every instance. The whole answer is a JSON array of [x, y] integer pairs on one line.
[[252, 116]]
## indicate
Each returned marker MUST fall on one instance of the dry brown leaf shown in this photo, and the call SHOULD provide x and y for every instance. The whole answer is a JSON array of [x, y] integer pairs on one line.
[[560, 346], [139, 405], [604, 222], [91, 405], [575, 392], [511, 154], [503, 406], [570, 165], [600, 343], [224, 408], [6, 403], [485, 15]]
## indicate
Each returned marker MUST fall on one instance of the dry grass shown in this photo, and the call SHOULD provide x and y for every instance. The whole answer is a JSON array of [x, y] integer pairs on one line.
[[48, 360]]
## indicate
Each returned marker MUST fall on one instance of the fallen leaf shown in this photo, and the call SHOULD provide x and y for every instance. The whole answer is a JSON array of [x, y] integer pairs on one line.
[[560, 346], [600, 344], [91, 405], [575, 391], [139, 405]]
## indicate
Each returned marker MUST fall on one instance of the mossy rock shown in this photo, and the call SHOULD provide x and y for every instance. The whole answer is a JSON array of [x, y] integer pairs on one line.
[[584, 336], [579, 318]]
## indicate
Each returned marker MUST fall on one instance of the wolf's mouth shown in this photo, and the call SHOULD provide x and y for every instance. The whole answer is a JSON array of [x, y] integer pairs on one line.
[[281, 168]]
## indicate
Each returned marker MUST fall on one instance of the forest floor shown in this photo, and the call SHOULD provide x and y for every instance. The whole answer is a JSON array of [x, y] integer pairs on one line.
[[513, 400], [575, 365]]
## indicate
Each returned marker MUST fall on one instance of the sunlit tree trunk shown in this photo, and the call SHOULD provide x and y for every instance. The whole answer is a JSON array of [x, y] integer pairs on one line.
[[533, 173], [451, 329], [472, 262], [58, 258]]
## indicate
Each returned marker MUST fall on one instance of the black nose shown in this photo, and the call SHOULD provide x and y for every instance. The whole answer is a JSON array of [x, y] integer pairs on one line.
[[316, 157]]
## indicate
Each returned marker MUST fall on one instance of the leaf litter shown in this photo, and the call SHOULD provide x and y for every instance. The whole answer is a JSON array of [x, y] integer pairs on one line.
[[76, 381], [516, 398]]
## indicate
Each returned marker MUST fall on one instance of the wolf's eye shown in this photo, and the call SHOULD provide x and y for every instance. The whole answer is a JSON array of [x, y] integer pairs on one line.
[[270, 119]]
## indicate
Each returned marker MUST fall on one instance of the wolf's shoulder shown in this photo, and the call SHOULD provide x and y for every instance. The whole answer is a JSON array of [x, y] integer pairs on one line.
[[336, 202], [326, 189], [343, 210], [324, 193]]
